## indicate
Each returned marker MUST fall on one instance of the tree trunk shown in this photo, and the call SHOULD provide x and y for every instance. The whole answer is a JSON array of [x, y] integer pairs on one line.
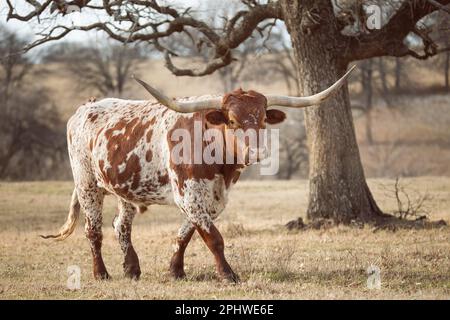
[[368, 92], [338, 188], [398, 73], [447, 70], [384, 83], [369, 137]]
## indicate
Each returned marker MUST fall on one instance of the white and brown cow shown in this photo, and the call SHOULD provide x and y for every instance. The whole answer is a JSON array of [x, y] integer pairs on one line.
[[123, 147]]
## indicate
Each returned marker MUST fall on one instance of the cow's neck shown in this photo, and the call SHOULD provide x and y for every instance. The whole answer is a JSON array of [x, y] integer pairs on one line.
[[231, 172]]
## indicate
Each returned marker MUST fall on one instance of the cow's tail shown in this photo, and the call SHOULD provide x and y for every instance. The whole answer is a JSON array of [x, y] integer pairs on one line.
[[68, 227]]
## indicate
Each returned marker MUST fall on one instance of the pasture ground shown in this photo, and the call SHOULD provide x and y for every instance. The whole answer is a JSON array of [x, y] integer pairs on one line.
[[272, 262]]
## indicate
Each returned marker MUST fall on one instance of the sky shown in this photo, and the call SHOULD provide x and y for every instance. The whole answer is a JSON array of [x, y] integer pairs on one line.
[[28, 29]]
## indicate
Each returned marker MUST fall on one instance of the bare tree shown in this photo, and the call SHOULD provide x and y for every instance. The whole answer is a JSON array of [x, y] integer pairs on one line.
[[294, 150], [441, 34], [276, 64], [231, 74], [31, 136], [279, 64], [385, 91], [326, 38], [14, 65], [266, 40], [284, 63], [106, 66]]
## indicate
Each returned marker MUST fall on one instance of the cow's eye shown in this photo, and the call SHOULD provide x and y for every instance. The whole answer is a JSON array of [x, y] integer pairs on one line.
[[232, 123]]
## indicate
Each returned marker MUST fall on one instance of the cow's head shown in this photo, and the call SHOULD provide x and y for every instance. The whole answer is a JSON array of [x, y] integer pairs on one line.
[[241, 112], [243, 115]]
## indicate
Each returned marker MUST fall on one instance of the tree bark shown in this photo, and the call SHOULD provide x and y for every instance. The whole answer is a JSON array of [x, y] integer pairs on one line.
[[338, 188]]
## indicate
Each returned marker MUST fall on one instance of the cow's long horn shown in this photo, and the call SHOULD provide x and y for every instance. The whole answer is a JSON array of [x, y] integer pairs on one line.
[[179, 106], [302, 102]]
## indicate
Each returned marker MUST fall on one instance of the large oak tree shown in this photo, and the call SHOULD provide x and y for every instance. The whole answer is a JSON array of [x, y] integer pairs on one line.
[[326, 37]]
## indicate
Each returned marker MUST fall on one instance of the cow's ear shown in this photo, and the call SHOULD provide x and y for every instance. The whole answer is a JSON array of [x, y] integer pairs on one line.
[[216, 117], [274, 116]]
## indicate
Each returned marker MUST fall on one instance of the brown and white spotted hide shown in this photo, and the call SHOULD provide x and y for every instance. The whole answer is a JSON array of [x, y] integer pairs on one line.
[[123, 147]]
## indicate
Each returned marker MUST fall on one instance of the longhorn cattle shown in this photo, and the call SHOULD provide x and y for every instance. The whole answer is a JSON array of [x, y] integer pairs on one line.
[[125, 148]]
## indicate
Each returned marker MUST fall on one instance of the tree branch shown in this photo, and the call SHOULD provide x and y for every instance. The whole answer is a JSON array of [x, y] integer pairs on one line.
[[160, 22], [209, 68], [389, 40], [440, 6], [38, 9]]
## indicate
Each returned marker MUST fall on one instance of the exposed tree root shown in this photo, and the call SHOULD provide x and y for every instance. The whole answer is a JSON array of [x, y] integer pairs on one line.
[[379, 222], [393, 224], [316, 224]]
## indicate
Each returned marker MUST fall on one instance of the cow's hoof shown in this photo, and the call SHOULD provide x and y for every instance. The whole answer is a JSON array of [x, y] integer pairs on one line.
[[177, 269], [132, 272], [100, 272], [177, 274], [230, 277], [102, 276]]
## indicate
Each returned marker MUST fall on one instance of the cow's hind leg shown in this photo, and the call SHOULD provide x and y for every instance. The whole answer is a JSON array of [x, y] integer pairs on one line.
[[185, 233], [91, 201], [214, 241], [122, 227]]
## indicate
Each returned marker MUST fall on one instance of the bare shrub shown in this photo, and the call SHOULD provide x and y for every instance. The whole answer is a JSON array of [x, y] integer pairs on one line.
[[279, 264], [411, 204], [244, 259]]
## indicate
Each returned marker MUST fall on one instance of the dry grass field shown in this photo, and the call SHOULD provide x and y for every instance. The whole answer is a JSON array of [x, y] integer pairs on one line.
[[272, 262]]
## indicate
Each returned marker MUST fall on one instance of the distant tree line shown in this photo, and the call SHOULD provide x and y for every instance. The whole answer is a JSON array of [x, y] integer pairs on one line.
[[32, 143]]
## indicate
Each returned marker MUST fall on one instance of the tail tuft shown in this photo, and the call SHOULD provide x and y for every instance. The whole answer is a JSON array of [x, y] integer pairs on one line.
[[68, 227]]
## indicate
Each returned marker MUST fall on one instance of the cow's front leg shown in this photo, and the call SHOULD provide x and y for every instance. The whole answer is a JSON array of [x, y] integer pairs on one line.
[[185, 233], [214, 241], [122, 227]]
